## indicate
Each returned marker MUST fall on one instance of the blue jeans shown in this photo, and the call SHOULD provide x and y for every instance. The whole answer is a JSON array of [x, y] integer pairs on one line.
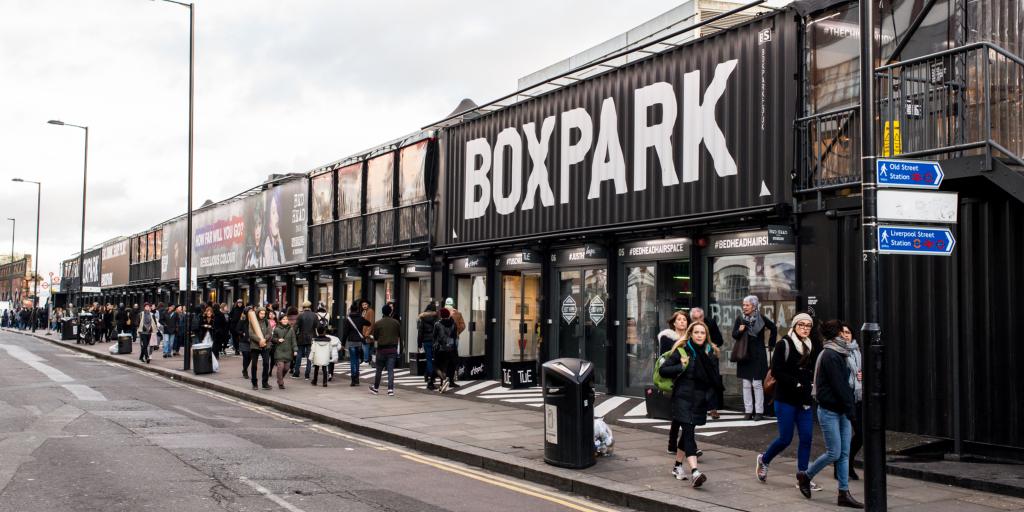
[[837, 430], [353, 360], [389, 360], [367, 352], [428, 352], [168, 343], [789, 416], [302, 351]]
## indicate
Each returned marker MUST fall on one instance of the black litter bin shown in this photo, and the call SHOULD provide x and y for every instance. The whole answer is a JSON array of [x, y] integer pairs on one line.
[[124, 343], [69, 330], [202, 360], [569, 413]]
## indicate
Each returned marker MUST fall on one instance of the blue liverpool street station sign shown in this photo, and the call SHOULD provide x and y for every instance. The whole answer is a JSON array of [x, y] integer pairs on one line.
[[925, 241], [908, 173]]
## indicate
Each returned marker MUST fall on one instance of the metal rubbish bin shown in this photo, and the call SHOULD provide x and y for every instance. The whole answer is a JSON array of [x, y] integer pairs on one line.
[[569, 413], [124, 343], [69, 329], [202, 360]]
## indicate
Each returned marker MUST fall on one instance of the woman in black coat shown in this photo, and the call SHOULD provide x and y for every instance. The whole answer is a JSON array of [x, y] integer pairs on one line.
[[220, 329], [761, 334], [695, 381]]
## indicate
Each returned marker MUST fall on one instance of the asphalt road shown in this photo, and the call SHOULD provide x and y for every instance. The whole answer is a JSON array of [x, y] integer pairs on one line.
[[81, 434]]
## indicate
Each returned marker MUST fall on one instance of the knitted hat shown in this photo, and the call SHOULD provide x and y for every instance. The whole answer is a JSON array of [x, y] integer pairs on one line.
[[307, 305], [802, 317]]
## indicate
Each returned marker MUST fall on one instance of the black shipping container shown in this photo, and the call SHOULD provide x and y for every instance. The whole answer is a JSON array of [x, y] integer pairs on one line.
[[720, 109]]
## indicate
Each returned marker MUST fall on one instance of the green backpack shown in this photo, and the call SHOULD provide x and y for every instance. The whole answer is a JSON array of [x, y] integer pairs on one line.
[[664, 384]]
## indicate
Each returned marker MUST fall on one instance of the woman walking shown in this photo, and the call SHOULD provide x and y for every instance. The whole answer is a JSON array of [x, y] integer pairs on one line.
[[793, 368], [678, 324], [835, 399], [284, 349], [760, 332], [696, 379]]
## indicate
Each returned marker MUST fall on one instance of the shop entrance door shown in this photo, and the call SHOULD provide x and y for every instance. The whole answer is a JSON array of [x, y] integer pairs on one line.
[[654, 291], [582, 322], [472, 303], [520, 302], [417, 297]]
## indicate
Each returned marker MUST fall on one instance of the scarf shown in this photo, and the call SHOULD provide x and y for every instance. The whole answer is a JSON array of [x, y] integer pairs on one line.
[[804, 345], [853, 360], [839, 345], [703, 372], [755, 323]]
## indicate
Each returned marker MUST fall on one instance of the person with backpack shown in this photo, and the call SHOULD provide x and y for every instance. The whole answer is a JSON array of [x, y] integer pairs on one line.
[[694, 371], [284, 349], [836, 402], [445, 347], [678, 324], [305, 327], [793, 369], [425, 340], [386, 335], [354, 339]]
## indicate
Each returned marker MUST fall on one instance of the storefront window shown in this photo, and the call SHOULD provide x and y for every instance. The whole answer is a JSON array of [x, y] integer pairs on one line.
[[350, 188], [380, 177], [353, 292], [412, 171], [641, 324], [771, 277], [472, 303]]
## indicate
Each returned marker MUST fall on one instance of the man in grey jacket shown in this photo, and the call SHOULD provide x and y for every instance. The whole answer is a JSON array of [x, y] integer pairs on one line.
[[305, 330]]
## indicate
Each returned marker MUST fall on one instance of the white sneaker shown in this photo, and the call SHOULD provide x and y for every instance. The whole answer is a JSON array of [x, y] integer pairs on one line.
[[680, 473], [698, 478], [761, 469]]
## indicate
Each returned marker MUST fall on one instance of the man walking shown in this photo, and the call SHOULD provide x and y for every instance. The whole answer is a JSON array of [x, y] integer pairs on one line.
[[386, 334], [306, 328], [233, 317], [170, 325]]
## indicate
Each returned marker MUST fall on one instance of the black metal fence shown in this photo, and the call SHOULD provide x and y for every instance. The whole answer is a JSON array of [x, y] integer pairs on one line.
[[401, 226], [148, 271], [959, 102]]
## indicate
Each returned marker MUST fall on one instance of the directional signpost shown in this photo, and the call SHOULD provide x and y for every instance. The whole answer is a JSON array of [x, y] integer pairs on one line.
[[908, 173], [915, 240]]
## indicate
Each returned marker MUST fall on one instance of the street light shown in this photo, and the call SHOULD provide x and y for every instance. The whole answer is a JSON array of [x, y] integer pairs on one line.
[[35, 273], [14, 224], [85, 179], [188, 222]]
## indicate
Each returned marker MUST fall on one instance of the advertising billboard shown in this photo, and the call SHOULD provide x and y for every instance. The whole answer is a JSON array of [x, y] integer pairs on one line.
[[173, 256], [705, 127], [323, 209], [91, 269], [114, 264]]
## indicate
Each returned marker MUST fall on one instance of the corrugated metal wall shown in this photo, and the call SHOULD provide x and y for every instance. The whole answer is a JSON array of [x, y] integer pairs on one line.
[[755, 113]]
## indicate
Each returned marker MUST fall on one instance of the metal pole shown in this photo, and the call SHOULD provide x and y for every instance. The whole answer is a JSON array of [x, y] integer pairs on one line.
[[871, 333], [35, 273], [81, 250], [188, 223]]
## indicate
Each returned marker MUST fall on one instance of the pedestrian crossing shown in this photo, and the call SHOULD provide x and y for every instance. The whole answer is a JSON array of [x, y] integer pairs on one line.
[[621, 410]]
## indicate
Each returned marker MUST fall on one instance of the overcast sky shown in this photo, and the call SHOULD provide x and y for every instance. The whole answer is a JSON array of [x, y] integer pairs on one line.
[[281, 86]]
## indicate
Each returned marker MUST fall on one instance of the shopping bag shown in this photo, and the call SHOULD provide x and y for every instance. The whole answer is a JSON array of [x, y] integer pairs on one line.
[[216, 363]]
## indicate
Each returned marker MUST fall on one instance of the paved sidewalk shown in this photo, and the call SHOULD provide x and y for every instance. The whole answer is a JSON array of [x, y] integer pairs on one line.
[[510, 440]]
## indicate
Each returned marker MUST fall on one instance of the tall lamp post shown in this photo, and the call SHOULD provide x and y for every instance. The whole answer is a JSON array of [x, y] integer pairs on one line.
[[14, 224], [85, 180], [35, 273], [188, 223]]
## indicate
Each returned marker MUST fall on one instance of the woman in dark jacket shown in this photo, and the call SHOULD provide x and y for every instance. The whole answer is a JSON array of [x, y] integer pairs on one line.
[[793, 369], [425, 340], [695, 380], [678, 325], [220, 329], [761, 333], [206, 323]]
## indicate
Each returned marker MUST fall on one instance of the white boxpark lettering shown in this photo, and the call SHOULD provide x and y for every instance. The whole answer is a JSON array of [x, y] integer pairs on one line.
[[576, 140]]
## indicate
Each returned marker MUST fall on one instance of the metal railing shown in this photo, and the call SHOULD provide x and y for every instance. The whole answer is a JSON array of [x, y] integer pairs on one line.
[[959, 102], [396, 227]]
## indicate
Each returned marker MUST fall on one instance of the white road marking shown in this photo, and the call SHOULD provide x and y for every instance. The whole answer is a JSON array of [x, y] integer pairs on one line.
[[742, 423], [476, 387], [642, 421], [512, 395], [511, 391], [639, 410], [709, 434], [81, 391], [524, 400], [602, 409], [269, 495]]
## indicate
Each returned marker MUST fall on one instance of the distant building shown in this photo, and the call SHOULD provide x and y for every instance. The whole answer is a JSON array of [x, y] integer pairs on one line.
[[16, 280]]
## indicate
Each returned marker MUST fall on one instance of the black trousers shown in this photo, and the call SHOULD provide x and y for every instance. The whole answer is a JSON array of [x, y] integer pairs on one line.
[[144, 346], [255, 356], [246, 357], [688, 440]]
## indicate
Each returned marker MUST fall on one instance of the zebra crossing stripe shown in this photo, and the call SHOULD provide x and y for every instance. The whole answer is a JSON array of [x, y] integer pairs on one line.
[[499, 397], [639, 410], [524, 400], [476, 387], [602, 409]]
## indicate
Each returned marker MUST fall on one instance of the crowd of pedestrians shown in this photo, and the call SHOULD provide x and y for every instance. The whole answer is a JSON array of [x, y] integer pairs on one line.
[[20, 318]]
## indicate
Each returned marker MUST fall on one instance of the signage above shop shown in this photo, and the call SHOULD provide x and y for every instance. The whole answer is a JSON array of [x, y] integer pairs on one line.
[[589, 253], [524, 258], [908, 173], [382, 271], [774, 237], [419, 267], [915, 240], [917, 206], [352, 273], [470, 263], [657, 249]]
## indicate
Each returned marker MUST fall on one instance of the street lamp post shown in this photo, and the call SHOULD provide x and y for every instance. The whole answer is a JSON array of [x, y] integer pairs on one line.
[[85, 180], [35, 273], [188, 222], [14, 224]]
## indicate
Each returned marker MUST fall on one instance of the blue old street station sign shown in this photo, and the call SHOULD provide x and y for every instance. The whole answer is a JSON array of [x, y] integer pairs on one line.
[[915, 240], [908, 173]]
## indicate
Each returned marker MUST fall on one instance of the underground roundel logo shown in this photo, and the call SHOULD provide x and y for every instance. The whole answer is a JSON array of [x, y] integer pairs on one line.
[[569, 309]]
